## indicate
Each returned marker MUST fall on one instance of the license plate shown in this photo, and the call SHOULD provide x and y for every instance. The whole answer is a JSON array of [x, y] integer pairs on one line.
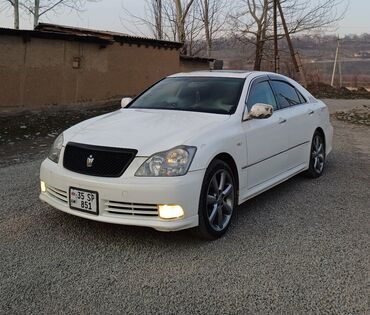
[[83, 200]]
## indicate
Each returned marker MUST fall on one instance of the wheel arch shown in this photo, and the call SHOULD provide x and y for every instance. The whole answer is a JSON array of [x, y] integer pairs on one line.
[[229, 160], [321, 131]]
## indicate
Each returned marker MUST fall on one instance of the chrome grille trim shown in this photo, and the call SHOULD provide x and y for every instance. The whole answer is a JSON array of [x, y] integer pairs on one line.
[[127, 208], [56, 193]]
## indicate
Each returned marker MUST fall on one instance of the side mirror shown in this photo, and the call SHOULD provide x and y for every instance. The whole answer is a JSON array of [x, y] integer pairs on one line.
[[259, 111], [125, 101]]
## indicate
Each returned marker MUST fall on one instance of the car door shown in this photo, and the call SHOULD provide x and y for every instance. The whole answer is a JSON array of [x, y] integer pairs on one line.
[[299, 116], [266, 139]]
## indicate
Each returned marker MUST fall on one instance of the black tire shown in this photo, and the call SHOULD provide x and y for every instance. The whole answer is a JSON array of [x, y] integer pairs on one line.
[[225, 199], [317, 156]]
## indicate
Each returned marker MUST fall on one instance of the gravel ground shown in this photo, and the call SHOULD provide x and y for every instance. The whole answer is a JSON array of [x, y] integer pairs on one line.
[[27, 136], [302, 247]]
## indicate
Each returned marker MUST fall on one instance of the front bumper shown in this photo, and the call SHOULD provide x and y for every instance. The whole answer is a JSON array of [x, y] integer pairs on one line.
[[137, 193]]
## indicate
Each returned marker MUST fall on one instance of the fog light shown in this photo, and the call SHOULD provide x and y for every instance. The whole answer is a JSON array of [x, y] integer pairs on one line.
[[42, 186], [170, 211]]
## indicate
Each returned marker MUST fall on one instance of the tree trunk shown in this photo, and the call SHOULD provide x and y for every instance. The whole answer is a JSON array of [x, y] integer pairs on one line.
[[181, 15], [180, 23], [259, 52], [160, 19], [36, 13], [16, 14], [182, 38], [158, 16], [207, 30], [209, 48], [261, 36], [178, 20]]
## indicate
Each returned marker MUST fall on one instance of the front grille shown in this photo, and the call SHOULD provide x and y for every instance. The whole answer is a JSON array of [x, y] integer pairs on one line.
[[57, 194], [127, 208], [97, 160]]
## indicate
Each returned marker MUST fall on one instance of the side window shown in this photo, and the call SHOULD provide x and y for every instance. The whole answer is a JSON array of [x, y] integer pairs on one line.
[[286, 94], [301, 97], [261, 92]]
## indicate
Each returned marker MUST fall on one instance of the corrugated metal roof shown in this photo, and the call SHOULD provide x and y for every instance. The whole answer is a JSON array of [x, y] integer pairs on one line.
[[75, 30], [104, 38], [108, 35], [28, 34]]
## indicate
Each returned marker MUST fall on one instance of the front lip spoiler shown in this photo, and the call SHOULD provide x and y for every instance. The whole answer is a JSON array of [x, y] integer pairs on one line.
[[155, 223]]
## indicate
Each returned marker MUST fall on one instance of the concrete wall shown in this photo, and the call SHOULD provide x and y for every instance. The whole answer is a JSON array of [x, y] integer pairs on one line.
[[39, 72]]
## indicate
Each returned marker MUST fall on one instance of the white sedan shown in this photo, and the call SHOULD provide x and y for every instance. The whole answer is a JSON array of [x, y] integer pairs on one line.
[[188, 150]]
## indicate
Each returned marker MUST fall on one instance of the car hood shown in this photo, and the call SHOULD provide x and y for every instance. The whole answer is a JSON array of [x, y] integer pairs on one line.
[[146, 130]]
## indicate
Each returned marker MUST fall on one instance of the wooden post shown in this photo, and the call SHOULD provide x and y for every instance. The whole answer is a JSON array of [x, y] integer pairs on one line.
[[290, 45], [276, 47], [301, 70], [286, 31]]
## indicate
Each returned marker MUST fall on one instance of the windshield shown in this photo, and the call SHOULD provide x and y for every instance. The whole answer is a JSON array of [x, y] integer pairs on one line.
[[198, 94]]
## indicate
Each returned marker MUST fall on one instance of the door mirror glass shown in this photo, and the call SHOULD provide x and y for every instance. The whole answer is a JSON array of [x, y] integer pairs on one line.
[[259, 111], [125, 101]]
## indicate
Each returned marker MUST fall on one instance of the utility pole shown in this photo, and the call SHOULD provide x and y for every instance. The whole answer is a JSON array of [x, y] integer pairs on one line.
[[337, 58], [340, 67]]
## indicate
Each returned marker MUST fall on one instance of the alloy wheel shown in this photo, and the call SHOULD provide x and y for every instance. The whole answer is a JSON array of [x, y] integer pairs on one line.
[[318, 154], [220, 200]]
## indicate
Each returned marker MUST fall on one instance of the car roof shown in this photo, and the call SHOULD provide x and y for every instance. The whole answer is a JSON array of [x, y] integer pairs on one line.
[[214, 73], [242, 74], [219, 73]]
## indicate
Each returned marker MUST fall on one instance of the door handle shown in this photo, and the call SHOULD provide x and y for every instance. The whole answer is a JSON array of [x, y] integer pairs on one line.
[[282, 121], [310, 111]]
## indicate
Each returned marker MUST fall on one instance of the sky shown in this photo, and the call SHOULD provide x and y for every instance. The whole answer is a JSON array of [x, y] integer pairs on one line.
[[109, 15]]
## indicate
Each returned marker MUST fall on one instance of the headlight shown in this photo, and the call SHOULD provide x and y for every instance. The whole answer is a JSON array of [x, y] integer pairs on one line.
[[174, 162], [56, 148]]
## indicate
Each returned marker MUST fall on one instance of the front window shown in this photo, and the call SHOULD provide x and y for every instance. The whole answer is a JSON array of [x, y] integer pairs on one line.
[[287, 94], [261, 93], [198, 94]]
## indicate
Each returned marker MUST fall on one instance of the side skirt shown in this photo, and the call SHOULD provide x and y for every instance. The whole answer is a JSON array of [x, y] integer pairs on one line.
[[259, 189]]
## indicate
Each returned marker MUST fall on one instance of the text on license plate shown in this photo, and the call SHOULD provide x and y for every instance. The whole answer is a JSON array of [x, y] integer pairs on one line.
[[83, 200]]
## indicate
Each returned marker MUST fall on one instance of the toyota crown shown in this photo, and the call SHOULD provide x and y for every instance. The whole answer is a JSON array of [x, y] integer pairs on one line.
[[188, 150]]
